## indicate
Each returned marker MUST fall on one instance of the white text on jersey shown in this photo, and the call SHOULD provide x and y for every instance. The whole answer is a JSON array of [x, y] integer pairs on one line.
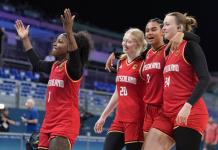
[[56, 82], [154, 65], [128, 79], [171, 67]]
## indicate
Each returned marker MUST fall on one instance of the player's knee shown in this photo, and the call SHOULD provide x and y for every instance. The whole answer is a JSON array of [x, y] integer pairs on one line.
[[159, 138], [59, 143]]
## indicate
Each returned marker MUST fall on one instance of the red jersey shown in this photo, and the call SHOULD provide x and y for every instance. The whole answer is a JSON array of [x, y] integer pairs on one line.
[[180, 80], [130, 88], [62, 113], [152, 72]]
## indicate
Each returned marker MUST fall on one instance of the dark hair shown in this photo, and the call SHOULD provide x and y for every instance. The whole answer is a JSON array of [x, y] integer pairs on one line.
[[157, 20], [85, 44], [189, 22]]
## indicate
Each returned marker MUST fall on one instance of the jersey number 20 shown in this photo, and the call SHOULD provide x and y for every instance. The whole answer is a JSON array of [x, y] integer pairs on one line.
[[123, 91]]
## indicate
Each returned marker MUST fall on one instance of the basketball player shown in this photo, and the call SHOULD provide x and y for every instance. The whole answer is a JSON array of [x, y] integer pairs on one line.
[[186, 77], [152, 73], [127, 127], [159, 136], [61, 124]]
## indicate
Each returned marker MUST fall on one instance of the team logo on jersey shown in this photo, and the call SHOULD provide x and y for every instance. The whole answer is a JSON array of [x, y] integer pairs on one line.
[[134, 66]]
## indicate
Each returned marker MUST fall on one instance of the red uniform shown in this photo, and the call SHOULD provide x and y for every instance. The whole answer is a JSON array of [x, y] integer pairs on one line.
[[62, 116], [180, 81], [130, 109], [152, 72]]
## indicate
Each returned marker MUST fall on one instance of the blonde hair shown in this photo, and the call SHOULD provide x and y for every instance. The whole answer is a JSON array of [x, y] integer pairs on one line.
[[139, 37], [188, 22]]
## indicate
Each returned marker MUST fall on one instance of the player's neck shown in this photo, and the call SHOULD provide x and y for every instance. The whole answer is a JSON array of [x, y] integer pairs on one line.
[[131, 57], [157, 46], [60, 61]]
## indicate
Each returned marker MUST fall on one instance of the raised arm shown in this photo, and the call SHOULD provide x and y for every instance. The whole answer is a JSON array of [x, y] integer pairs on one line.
[[68, 22], [38, 65], [74, 66], [23, 34]]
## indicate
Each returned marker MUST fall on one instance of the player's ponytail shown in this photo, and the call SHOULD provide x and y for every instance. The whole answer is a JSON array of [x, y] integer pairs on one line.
[[188, 22], [191, 23]]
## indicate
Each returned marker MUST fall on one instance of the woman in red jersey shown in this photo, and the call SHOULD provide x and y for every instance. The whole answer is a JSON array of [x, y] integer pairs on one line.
[[127, 127], [186, 77], [61, 124], [157, 134]]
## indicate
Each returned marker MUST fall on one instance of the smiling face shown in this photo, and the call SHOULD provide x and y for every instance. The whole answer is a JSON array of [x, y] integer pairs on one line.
[[153, 33], [134, 42], [170, 27], [129, 44], [60, 46]]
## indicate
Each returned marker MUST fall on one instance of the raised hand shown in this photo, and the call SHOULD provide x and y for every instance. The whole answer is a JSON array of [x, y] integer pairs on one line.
[[67, 20], [21, 30]]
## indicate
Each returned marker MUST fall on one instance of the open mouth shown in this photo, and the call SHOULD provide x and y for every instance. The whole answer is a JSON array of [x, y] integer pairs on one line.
[[150, 39], [54, 48]]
